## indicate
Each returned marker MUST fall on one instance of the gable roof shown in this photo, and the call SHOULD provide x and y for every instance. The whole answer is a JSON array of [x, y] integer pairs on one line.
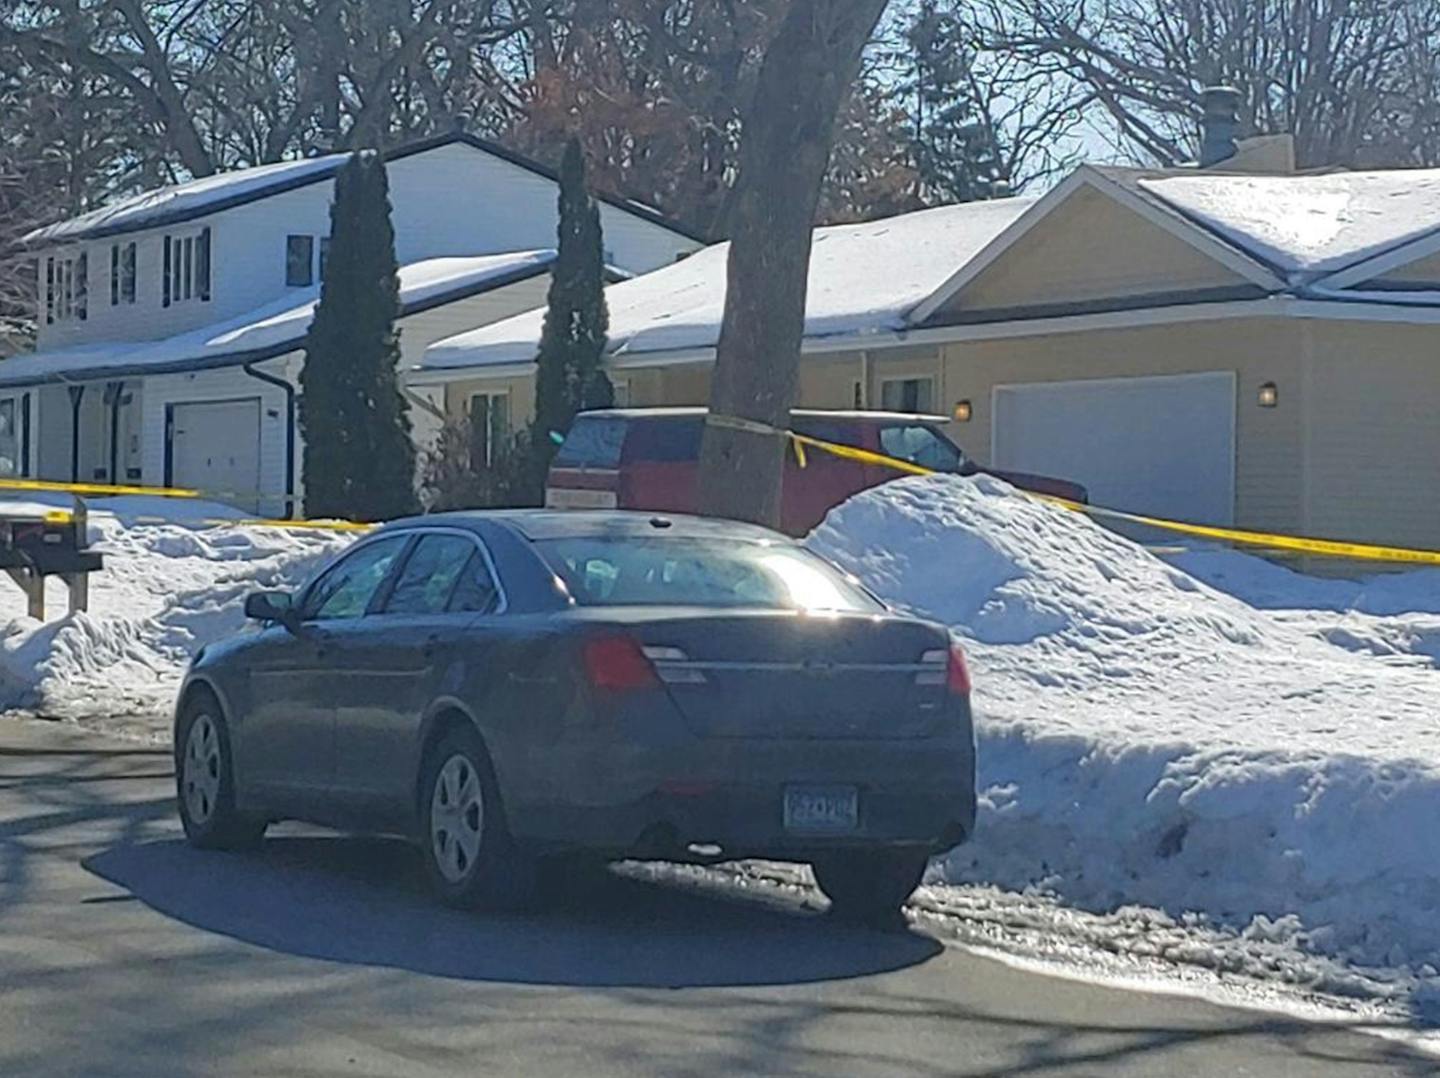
[[181, 202], [269, 331], [1107, 182], [864, 278], [1302, 226]]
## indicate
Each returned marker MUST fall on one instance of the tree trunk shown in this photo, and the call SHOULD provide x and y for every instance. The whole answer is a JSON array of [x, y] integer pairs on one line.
[[784, 149]]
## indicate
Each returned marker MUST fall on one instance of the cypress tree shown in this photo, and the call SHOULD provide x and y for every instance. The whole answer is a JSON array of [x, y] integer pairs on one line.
[[569, 376], [359, 459]]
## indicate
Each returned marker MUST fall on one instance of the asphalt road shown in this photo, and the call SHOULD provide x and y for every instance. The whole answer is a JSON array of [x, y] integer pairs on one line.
[[122, 952]]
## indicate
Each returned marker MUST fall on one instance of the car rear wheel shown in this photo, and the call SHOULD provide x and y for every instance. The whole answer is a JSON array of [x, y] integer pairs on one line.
[[869, 886], [205, 782], [469, 856]]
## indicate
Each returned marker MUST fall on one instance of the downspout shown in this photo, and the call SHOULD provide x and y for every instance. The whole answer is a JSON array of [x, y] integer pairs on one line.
[[115, 391], [77, 394], [282, 383]]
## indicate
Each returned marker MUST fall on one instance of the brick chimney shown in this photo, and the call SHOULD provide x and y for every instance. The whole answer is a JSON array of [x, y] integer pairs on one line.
[[1221, 125]]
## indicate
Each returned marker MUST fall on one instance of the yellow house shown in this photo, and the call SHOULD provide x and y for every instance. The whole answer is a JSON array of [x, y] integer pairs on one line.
[[1221, 347]]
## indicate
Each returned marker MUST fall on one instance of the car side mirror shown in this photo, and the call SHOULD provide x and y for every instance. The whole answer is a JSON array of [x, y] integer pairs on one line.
[[271, 606]]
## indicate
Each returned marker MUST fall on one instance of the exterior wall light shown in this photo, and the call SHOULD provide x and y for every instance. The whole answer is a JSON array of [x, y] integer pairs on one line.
[[1269, 395], [962, 411]]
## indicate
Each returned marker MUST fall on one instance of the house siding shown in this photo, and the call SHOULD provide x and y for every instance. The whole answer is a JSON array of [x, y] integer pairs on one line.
[[1423, 271], [1088, 249], [1372, 441]]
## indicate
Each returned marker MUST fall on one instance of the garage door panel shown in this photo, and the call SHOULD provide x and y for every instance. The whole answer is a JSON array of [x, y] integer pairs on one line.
[[215, 447], [1160, 445]]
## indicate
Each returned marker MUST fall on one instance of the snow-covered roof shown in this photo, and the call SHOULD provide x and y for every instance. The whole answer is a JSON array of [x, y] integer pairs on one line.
[[1304, 226], [211, 194], [267, 331], [184, 201], [864, 278]]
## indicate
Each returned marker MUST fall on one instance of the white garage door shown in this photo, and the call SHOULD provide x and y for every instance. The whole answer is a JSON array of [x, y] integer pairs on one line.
[[1163, 446], [215, 446]]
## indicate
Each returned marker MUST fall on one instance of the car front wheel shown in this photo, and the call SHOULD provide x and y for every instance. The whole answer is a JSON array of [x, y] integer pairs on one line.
[[869, 886], [205, 782], [469, 856]]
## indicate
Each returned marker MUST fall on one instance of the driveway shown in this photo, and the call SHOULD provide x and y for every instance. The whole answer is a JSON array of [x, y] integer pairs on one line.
[[122, 952]]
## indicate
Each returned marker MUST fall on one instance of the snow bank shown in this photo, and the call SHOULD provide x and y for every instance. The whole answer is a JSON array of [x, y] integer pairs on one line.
[[1145, 738], [166, 589]]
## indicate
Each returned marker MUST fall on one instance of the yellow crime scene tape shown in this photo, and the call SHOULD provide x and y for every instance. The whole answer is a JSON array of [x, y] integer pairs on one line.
[[105, 490], [1328, 548]]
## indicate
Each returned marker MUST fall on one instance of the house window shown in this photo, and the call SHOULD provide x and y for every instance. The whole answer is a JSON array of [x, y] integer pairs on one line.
[[489, 428], [65, 288], [621, 393], [185, 269], [299, 261], [122, 273], [10, 445], [907, 394]]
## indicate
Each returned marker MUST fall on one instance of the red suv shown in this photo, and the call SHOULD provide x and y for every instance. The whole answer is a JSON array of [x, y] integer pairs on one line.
[[648, 458]]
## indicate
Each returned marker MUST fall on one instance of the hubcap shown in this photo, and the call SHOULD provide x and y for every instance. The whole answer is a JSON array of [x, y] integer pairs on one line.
[[200, 779], [457, 814]]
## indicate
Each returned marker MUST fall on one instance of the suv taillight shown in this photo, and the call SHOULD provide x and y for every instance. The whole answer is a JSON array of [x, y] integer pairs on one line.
[[957, 674], [616, 663]]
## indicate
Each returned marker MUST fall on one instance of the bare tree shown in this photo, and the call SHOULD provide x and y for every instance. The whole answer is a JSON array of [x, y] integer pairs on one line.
[[809, 68], [1355, 83]]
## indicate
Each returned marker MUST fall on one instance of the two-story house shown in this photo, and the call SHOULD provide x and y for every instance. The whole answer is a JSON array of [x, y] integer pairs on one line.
[[172, 324]]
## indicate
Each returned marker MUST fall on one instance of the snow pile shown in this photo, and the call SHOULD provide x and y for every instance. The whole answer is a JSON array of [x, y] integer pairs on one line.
[[166, 589], [1147, 739]]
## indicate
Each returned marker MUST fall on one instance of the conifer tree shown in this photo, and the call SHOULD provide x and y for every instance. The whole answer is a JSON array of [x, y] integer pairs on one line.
[[569, 376], [359, 460]]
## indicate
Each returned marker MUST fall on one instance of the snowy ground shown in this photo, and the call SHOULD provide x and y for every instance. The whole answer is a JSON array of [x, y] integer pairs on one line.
[[166, 589], [1267, 770], [1206, 760]]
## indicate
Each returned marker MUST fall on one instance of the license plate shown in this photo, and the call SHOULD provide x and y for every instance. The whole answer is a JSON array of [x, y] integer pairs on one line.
[[574, 498], [828, 809]]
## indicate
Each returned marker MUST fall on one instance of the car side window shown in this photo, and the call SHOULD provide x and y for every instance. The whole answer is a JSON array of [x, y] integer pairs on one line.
[[920, 445], [347, 588], [477, 591], [428, 577]]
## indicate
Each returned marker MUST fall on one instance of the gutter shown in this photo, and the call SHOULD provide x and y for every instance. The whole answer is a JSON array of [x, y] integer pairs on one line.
[[284, 384]]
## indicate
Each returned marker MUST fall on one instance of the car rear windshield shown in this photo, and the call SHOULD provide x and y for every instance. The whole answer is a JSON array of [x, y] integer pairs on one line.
[[612, 570], [592, 443]]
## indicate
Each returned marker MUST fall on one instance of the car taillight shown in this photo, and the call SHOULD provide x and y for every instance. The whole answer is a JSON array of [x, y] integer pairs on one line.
[[947, 667], [957, 674], [617, 664]]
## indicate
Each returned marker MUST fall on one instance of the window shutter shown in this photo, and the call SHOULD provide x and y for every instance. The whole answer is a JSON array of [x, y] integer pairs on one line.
[[49, 291], [202, 265], [114, 275], [82, 286], [165, 276]]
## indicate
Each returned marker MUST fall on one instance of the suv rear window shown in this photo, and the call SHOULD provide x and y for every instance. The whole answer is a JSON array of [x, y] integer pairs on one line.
[[665, 439], [615, 570], [593, 442]]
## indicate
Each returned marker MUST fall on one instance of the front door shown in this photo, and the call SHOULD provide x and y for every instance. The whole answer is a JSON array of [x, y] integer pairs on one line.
[[288, 742]]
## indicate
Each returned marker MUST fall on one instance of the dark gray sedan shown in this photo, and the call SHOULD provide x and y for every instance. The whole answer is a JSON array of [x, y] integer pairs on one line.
[[510, 687]]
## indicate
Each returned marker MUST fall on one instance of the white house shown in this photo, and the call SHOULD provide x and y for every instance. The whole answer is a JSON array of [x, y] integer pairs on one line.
[[172, 324]]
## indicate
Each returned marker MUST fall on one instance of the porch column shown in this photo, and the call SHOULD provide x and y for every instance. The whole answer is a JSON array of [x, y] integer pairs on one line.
[[77, 395]]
